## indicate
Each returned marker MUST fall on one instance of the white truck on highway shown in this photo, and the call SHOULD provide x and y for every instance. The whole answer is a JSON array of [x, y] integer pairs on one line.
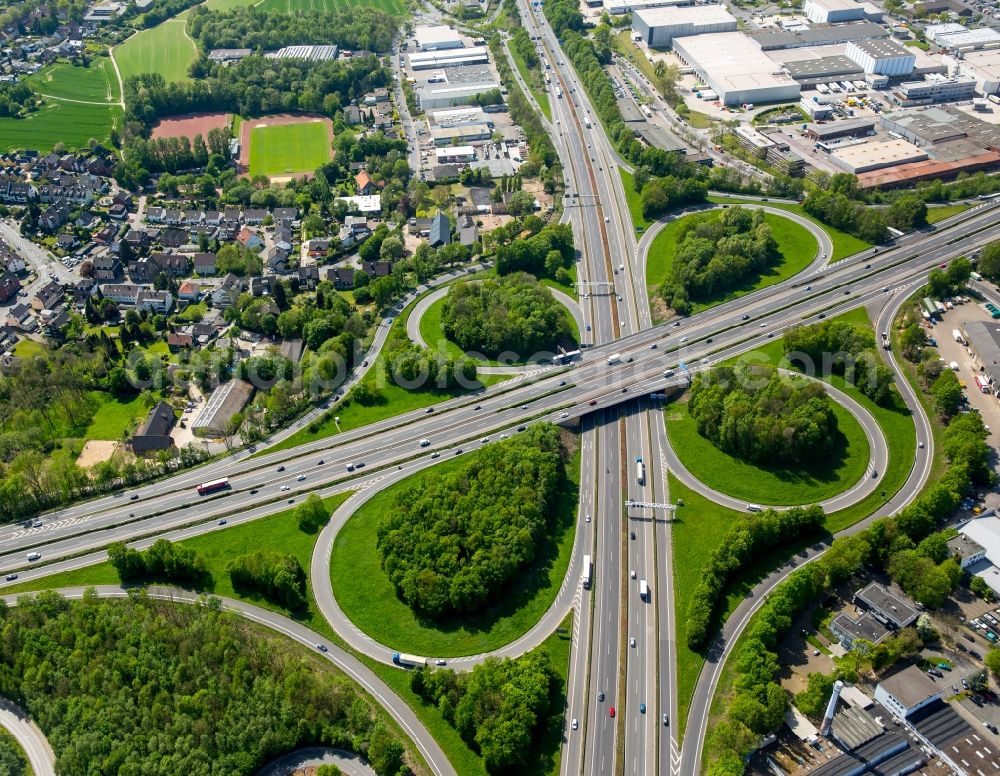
[[558, 92], [614, 358], [586, 121], [585, 576], [643, 590], [640, 470], [412, 661]]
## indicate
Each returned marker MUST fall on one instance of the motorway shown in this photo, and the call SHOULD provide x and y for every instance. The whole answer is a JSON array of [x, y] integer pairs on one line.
[[611, 269]]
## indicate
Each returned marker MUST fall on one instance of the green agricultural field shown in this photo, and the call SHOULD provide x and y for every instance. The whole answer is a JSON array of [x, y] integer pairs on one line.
[[165, 49], [289, 148], [57, 121], [95, 83], [394, 7]]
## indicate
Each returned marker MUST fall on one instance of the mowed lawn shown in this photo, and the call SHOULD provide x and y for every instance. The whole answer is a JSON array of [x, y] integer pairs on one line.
[[163, 49], [95, 83], [395, 7], [57, 121], [289, 148]]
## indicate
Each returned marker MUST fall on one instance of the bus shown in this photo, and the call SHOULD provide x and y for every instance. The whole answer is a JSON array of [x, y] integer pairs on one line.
[[211, 487], [640, 470], [585, 577]]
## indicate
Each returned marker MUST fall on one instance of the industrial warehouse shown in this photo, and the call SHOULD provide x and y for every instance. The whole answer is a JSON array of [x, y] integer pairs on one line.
[[861, 98]]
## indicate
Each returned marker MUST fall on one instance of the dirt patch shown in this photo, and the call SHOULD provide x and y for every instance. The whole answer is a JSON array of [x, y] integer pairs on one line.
[[96, 451], [191, 125], [243, 163]]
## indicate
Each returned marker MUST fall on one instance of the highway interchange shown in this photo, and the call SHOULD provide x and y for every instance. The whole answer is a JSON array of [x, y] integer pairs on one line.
[[617, 424]]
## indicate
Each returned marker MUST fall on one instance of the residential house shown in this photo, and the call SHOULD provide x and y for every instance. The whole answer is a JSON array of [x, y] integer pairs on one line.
[[285, 215], [146, 269], [377, 269], [54, 322], [212, 218], [352, 115], [376, 96], [254, 216], [283, 237], [117, 212], [176, 341], [261, 286], [342, 277], [155, 301], [440, 231], [67, 241], [173, 238], [189, 291], [154, 434], [55, 216], [138, 240], [249, 239], [48, 296], [227, 292], [204, 264], [276, 259], [84, 289], [231, 218], [202, 332], [308, 276], [9, 286], [172, 216], [105, 234], [155, 215], [121, 293], [8, 338], [107, 268], [468, 233], [19, 317], [15, 192], [364, 183], [318, 246], [192, 217]]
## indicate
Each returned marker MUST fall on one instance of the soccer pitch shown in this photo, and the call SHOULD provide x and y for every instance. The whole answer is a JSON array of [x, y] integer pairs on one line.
[[284, 149]]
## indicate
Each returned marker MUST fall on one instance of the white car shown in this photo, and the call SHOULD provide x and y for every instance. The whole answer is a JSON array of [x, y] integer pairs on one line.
[[564, 415], [588, 518], [286, 487], [301, 477], [575, 724], [484, 440], [631, 641]]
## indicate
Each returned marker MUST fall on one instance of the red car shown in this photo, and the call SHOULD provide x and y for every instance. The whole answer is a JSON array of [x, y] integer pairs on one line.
[[611, 711], [592, 402]]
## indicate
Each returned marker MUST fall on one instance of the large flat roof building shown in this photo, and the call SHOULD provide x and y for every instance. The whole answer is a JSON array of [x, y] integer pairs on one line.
[[906, 692], [659, 26], [982, 533], [617, 7], [821, 35], [430, 60], [874, 156], [445, 95], [736, 69], [827, 11], [437, 37], [934, 88], [892, 609], [942, 124], [224, 402], [969, 40], [884, 57], [984, 66]]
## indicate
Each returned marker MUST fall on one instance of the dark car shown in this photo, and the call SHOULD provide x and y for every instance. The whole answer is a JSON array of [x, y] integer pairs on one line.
[[253, 492], [11, 577], [521, 428], [320, 462], [592, 402], [429, 410], [134, 497], [625, 390], [281, 468]]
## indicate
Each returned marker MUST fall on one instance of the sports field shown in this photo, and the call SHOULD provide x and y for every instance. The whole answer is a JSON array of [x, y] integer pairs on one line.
[[57, 121], [394, 7], [284, 149], [95, 83], [163, 49]]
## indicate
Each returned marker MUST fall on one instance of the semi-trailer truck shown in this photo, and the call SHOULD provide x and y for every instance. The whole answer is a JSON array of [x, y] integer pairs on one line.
[[414, 661], [614, 358], [585, 576], [640, 470], [643, 590]]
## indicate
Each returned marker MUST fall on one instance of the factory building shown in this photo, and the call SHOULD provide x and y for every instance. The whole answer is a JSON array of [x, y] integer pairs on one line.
[[935, 88], [984, 67], [470, 133], [830, 11], [736, 69], [816, 110], [863, 157], [933, 31], [854, 128], [445, 95], [458, 117], [437, 37], [907, 692], [659, 26], [824, 35], [455, 154], [430, 60], [968, 40], [619, 7], [883, 57]]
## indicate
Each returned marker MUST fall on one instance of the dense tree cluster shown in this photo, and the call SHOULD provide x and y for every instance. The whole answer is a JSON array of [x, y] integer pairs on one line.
[[715, 255], [660, 195], [454, 542], [277, 576], [15, 98], [753, 536], [253, 87], [989, 261], [838, 206], [499, 707], [163, 562], [906, 213], [357, 28], [138, 686], [895, 543], [542, 254], [311, 514], [180, 153], [842, 348], [160, 11], [514, 313], [754, 413], [12, 759], [419, 368]]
